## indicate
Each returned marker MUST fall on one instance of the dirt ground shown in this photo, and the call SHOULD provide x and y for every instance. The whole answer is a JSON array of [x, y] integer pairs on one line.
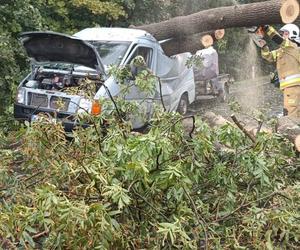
[[252, 95]]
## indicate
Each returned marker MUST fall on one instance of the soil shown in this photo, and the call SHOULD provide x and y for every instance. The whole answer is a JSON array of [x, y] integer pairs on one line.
[[252, 95]]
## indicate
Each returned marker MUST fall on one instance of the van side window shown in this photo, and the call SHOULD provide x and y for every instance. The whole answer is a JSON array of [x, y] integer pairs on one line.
[[146, 53]]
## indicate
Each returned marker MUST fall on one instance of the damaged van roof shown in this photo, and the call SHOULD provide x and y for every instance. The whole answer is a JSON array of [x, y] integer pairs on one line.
[[113, 34]]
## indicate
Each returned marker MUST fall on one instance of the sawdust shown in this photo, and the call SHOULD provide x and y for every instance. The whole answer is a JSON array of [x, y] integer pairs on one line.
[[250, 69]]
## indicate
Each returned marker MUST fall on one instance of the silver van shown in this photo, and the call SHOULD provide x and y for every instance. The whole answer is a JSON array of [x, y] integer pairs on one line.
[[60, 62]]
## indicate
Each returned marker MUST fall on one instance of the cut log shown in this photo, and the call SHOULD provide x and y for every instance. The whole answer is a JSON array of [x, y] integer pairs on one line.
[[289, 11], [253, 14], [290, 129], [219, 34], [207, 41]]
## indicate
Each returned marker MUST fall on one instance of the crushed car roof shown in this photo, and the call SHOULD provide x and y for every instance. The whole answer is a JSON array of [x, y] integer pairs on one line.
[[113, 34]]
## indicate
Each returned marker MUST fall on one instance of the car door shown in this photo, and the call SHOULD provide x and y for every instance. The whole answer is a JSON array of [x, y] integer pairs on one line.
[[134, 93]]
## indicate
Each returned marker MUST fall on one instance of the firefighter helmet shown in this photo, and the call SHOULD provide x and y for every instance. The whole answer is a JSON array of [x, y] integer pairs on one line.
[[292, 29]]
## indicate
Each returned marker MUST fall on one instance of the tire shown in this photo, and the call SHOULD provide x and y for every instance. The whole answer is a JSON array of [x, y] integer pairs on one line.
[[183, 105]]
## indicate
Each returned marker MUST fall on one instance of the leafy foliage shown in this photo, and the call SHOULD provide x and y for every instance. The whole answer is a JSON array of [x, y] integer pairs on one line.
[[106, 187], [120, 189], [61, 16], [15, 17]]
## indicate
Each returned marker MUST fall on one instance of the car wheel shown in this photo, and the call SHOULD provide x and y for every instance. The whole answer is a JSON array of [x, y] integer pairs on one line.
[[183, 105]]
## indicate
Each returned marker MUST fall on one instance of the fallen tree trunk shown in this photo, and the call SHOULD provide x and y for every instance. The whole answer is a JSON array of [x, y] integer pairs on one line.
[[245, 15], [191, 43], [285, 126], [250, 130], [186, 44]]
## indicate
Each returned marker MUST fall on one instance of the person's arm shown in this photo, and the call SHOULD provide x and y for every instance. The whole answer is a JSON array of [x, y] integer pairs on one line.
[[273, 34], [270, 56]]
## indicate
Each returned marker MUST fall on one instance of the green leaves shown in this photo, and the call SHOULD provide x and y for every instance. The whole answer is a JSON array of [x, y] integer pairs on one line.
[[195, 61], [118, 195], [174, 233], [111, 188], [27, 238], [110, 8]]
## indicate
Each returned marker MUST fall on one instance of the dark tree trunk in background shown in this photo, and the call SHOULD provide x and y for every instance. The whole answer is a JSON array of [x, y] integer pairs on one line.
[[183, 27]]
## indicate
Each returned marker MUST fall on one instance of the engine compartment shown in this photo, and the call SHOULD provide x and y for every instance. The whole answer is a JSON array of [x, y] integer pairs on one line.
[[68, 82]]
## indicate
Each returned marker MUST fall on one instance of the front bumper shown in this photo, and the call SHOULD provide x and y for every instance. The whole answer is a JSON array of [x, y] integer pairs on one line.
[[25, 113]]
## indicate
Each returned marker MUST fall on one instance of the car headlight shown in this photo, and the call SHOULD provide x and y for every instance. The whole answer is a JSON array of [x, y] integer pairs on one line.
[[20, 98], [85, 106]]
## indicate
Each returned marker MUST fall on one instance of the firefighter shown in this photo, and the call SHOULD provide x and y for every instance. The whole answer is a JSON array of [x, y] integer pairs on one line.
[[287, 59]]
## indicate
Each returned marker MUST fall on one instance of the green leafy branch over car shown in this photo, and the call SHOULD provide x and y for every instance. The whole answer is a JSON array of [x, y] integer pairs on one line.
[[110, 187]]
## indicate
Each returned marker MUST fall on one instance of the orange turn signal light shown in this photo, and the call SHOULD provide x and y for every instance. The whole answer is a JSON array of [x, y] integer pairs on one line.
[[96, 108]]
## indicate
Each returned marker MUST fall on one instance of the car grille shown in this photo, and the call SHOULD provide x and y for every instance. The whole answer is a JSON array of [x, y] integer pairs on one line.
[[38, 100], [42, 101], [59, 103]]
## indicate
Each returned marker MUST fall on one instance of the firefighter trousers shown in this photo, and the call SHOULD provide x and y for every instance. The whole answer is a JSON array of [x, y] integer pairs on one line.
[[291, 99]]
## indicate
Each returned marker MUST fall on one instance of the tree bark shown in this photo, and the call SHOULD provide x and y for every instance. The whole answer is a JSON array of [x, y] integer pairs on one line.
[[251, 129], [286, 127], [214, 120], [186, 44], [290, 129], [245, 15], [191, 43]]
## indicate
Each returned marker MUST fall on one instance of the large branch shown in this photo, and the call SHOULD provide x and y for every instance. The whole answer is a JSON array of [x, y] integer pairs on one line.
[[245, 15]]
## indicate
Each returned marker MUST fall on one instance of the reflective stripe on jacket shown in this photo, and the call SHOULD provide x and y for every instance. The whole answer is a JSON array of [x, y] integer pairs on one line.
[[287, 59], [290, 81]]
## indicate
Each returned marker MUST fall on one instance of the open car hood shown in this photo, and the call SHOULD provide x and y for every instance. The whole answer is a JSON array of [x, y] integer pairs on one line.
[[57, 47]]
